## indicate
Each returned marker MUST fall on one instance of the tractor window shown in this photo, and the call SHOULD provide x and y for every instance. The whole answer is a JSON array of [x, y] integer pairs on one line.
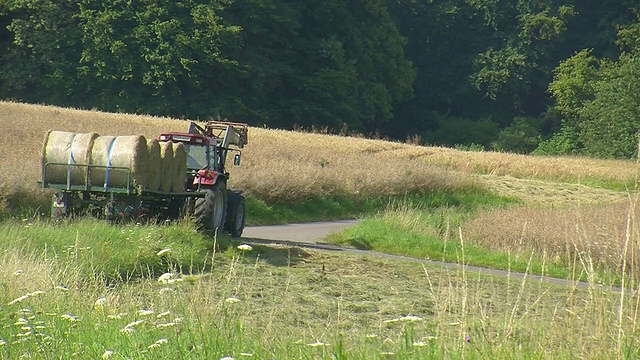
[[213, 159], [196, 156]]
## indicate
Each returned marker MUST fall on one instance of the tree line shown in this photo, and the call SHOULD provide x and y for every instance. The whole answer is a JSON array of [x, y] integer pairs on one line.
[[528, 76]]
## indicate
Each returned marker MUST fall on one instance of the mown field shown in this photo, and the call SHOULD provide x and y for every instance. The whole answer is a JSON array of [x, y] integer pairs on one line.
[[90, 290]]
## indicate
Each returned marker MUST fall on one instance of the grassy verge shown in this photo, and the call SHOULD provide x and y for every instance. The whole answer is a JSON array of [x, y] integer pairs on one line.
[[345, 207], [440, 233]]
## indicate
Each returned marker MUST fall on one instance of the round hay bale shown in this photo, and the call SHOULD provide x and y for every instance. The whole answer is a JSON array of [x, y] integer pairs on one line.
[[179, 167], [117, 158], [153, 165], [167, 166], [70, 152]]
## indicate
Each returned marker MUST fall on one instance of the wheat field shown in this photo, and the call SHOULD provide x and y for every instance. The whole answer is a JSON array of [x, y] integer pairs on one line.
[[282, 165]]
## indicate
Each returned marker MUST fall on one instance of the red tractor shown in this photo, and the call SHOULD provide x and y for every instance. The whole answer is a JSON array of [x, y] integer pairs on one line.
[[85, 185], [207, 148]]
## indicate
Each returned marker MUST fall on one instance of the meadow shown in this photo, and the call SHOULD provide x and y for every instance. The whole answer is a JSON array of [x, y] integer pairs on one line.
[[90, 290]]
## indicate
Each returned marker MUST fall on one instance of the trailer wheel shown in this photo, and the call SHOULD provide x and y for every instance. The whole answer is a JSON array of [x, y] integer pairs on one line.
[[235, 214], [211, 210]]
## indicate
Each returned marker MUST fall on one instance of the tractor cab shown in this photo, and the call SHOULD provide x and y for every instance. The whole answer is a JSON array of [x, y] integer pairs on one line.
[[207, 149]]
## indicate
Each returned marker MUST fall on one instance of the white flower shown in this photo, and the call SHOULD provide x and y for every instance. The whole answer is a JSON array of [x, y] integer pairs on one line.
[[26, 296], [163, 314], [163, 251], [70, 317], [145, 312], [408, 318], [169, 278], [2, 342], [317, 344], [107, 353], [245, 247], [165, 325], [158, 343], [21, 321], [232, 300], [100, 303], [419, 343]]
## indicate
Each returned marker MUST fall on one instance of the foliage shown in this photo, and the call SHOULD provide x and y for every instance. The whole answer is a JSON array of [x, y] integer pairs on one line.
[[452, 131], [522, 136]]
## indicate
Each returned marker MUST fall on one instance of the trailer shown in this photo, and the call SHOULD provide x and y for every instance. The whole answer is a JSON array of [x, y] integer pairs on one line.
[[99, 177]]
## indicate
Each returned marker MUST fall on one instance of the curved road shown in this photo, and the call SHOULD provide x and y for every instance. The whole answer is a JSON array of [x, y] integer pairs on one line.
[[310, 235]]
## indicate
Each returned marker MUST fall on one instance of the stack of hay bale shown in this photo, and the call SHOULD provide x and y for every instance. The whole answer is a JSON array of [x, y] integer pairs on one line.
[[116, 161]]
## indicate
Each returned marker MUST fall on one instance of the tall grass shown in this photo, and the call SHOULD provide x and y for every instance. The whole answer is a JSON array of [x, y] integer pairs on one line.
[[289, 303]]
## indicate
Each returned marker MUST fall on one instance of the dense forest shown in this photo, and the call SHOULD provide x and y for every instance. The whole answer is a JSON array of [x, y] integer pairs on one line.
[[527, 76]]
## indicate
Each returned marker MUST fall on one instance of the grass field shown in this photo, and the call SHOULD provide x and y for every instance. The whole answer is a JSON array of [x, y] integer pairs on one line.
[[89, 290]]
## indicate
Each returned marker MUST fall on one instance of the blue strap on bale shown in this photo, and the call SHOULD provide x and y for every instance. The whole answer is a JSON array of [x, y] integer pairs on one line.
[[69, 161], [106, 173]]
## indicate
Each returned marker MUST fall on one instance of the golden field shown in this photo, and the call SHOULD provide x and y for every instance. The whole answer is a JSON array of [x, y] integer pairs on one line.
[[293, 166], [288, 166]]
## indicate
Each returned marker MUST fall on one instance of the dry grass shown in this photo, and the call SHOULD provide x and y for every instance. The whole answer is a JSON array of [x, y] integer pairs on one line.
[[592, 237], [289, 166]]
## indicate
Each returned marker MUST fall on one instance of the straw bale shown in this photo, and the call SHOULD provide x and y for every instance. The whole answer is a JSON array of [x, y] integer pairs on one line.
[[72, 151], [118, 154], [167, 166], [179, 167], [154, 164]]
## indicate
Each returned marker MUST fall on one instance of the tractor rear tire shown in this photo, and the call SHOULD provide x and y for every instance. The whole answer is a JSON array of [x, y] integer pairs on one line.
[[210, 211], [235, 214]]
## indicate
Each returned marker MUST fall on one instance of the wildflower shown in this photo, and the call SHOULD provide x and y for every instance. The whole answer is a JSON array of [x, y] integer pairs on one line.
[[232, 300], [245, 247], [163, 251], [145, 312], [419, 343], [158, 343], [129, 328], [169, 278], [100, 303], [21, 321], [467, 339], [317, 344], [26, 296], [70, 317], [371, 336], [115, 316], [408, 318], [2, 342], [163, 314], [106, 354], [165, 325]]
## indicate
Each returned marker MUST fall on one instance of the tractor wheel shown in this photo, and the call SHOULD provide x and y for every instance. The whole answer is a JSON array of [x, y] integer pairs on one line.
[[236, 214], [210, 211]]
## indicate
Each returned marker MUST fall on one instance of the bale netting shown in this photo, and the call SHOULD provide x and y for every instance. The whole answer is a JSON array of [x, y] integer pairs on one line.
[[179, 167], [66, 155], [116, 160], [167, 166], [154, 164]]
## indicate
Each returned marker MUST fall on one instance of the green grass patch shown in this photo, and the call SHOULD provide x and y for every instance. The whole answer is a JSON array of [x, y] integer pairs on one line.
[[345, 207], [112, 252]]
